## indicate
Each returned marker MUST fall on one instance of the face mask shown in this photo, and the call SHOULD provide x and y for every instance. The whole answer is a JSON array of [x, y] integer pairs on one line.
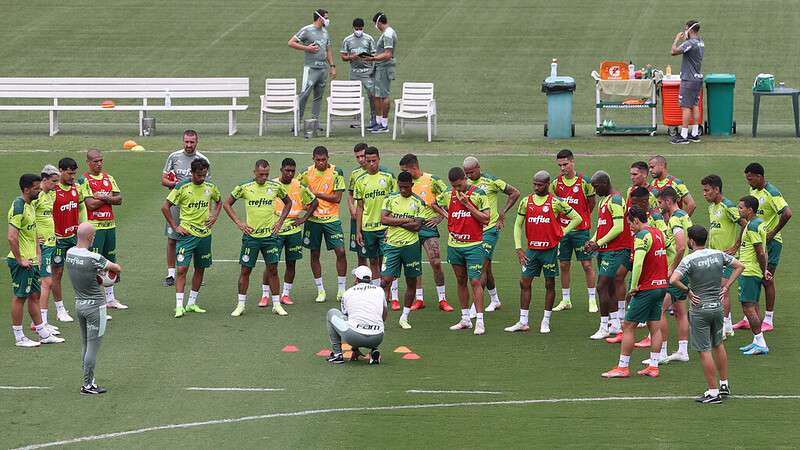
[[325, 21], [358, 33]]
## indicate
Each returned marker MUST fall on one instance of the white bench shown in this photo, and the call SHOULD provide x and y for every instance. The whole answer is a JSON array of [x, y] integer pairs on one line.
[[165, 90]]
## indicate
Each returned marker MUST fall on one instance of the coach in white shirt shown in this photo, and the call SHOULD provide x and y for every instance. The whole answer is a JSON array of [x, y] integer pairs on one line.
[[360, 322]]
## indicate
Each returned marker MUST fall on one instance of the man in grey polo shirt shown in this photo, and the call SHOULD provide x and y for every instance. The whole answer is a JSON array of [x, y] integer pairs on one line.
[[354, 48], [315, 42], [704, 267], [692, 49]]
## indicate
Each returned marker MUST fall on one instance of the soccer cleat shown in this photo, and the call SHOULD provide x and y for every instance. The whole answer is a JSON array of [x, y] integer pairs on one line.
[[52, 339], [63, 316], [404, 324], [544, 327], [194, 307], [747, 347], [418, 304], [52, 328], [742, 325], [479, 328], [444, 306], [238, 311], [593, 306], [614, 330], [168, 281], [278, 309], [336, 358], [93, 390], [179, 312], [395, 305], [644, 343], [320, 297], [116, 305], [375, 356], [264, 302], [286, 300], [563, 305], [601, 333], [617, 372], [724, 390], [339, 294], [616, 339], [755, 350], [678, 356], [519, 326], [493, 306], [707, 398], [462, 325], [27, 343], [728, 333], [108, 316], [678, 140], [765, 327], [694, 137], [649, 371]]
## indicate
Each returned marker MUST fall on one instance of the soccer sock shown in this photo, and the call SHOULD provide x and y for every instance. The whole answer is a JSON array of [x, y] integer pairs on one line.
[[192, 298], [60, 306], [653, 359], [479, 317], [406, 311], [523, 316], [621, 309], [171, 272], [384, 122], [440, 292], [759, 340], [318, 282], [18, 334], [723, 382], [43, 331], [768, 317], [341, 283], [727, 324], [683, 347], [287, 288], [276, 300], [242, 299], [565, 294], [694, 130], [265, 290], [684, 133], [547, 315], [472, 310], [44, 316], [624, 360], [615, 321], [465, 315], [110, 295], [179, 300], [394, 290], [663, 353], [493, 295], [592, 294], [604, 322], [418, 295]]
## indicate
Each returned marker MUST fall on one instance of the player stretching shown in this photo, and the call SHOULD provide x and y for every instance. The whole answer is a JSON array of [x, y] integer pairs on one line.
[[260, 231], [46, 238], [193, 196], [753, 254], [576, 189], [539, 221], [662, 179]]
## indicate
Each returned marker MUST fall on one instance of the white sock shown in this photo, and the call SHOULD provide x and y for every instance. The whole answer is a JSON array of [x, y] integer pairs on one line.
[[624, 360], [42, 331], [384, 122], [341, 283], [394, 290], [179, 300], [110, 295], [418, 295], [18, 334], [318, 282], [406, 311], [440, 292], [565, 294], [615, 321], [592, 294], [472, 310], [759, 340], [694, 130], [663, 353], [276, 300], [493, 295], [192, 298], [265, 290], [523, 316], [723, 383], [547, 315], [60, 306], [242, 299], [713, 392], [653, 359], [768, 317], [287, 288], [604, 322], [479, 317], [727, 324], [171, 272], [44, 316], [684, 133], [621, 309], [465, 315], [683, 347]]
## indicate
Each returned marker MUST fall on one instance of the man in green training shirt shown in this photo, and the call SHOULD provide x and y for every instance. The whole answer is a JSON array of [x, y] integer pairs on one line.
[[46, 236], [753, 254], [260, 231], [402, 214], [194, 196]]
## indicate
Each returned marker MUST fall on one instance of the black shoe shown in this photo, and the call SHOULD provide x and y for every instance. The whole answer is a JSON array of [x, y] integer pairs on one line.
[[169, 281], [724, 390], [708, 398], [677, 139], [375, 356], [93, 390], [694, 137], [336, 358], [379, 129]]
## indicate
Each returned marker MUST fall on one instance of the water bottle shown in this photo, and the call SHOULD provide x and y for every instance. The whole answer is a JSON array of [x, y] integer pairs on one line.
[[631, 71], [167, 99], [554, 68]]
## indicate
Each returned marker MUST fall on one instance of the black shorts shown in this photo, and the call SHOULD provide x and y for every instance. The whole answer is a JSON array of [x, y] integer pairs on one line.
[[689, 94]]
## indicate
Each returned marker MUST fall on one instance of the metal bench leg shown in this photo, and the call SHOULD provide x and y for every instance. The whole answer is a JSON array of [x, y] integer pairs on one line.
[[796, 112], [53, 122], [231, 123], [756, 101], [141, 123], [429, 128], [261, 123]]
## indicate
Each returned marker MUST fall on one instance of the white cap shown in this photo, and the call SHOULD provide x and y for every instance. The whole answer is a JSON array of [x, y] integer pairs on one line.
[[362, 273], [50, 170]]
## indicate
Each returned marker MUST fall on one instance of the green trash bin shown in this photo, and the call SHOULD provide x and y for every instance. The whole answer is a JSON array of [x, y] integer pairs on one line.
[[559, 107], [719, 101]]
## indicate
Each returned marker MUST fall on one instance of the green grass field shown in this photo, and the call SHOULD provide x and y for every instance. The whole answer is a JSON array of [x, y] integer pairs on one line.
[[487, 60]]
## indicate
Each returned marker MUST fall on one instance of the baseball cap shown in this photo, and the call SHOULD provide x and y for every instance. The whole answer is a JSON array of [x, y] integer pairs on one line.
[[362, 273], [50, 170]]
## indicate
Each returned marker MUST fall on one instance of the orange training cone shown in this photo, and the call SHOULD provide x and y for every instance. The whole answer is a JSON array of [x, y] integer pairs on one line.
[[411, 356], [290, 349], [323, 353], [402, 349], [107, 104], [129, 144]]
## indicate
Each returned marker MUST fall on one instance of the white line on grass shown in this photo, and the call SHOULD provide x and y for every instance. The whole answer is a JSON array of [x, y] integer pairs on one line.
[[234, 389], [312, 412], [282, 261], [238, 24], [23, 388], [422, 391]]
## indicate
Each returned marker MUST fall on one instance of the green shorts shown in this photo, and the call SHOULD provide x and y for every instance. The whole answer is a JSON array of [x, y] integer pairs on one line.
[[291, 244], [24, 280], [490, 237], [541, 261], [471, 257], [645, 306], [354, 247], [45, 269], [366, 80], [573, 242], [252, 246], [105, 243], [705, 327], [749, 289], [677, 294], [313, 232], [608, 262], [409, 257], [383, 81], [774, 249], [199, 248], [727, 271], [426, 233], [60, 253], [373, 243]]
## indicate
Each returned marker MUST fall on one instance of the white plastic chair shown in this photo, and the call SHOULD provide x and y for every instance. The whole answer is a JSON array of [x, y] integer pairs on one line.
[[345, 100], [280, 97], [417, 102]]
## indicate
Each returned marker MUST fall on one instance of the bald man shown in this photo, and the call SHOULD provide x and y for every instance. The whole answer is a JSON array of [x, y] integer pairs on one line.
[[90, 302], [662, 179]]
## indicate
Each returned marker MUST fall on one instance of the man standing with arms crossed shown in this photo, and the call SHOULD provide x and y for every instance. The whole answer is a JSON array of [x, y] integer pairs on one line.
[[101, 194], [326, 182], [753, 254], [538, 222], [259, 231], [176, 169], [193, 196], [662, 179], [315, 42], [90, 302], [353, 47], [384, 59], [576, 189], [46, 238], [692, 49]]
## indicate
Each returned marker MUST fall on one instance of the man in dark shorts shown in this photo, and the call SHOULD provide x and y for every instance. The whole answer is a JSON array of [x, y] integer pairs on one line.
[[692, 49]]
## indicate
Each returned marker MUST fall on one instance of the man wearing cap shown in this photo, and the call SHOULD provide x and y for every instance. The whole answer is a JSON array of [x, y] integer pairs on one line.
[[360, 321]]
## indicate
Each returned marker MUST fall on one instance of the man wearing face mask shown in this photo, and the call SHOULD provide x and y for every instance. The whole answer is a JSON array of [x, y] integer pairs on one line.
[[314, 40], [384, 71], [354, 48]]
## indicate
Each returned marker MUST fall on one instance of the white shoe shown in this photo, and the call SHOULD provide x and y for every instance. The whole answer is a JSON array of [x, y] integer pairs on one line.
[[462, 325], [52, 330], [613, 330], [641, 325], [116, 305], [108, 317], [473, 313], [63, 316], [52, 339], [27, 343], [278, 309], [593, 306], [601, 333], [544, 328], [517, 327], [678, 356], [479, 328], [494, 306], [661, 361]]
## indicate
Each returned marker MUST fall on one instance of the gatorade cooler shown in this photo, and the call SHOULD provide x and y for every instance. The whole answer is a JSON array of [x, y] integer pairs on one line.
[[670, 105], [559, 107]]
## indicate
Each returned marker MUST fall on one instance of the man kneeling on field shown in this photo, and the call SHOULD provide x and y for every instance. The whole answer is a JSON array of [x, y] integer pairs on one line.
[[360, 321]]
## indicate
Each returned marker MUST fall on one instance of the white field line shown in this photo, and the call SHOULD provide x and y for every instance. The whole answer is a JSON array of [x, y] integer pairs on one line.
[[282, 261], [238, 24], [423, 391], [312, 412], [234, 389], [23, 388]]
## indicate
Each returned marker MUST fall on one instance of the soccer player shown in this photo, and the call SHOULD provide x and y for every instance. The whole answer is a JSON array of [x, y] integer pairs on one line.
[[402, 214], [371, 188], [613, 242], [467, 214], [648, 287], [775, 212], [358, 152], [384, 59], [539, 221], [315, 42], [101, 193], [259, 231], [428, 187], [692, 49], [705, 268], [723, 234], [639, 172], [68, 211], [326, 182], [90, 301], [46, 238], [662, 179], [753, 254], [193, 196], [290, 237], [490, 186], [177, 169], [23, 261], [576, 189], [354, 48]]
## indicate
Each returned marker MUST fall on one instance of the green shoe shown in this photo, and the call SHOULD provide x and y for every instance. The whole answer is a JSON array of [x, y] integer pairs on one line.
[[563, 305], [320, 297], [278, 309], [179, 312], [339, 295], [238, 311], [194, 308], [404, 324]]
